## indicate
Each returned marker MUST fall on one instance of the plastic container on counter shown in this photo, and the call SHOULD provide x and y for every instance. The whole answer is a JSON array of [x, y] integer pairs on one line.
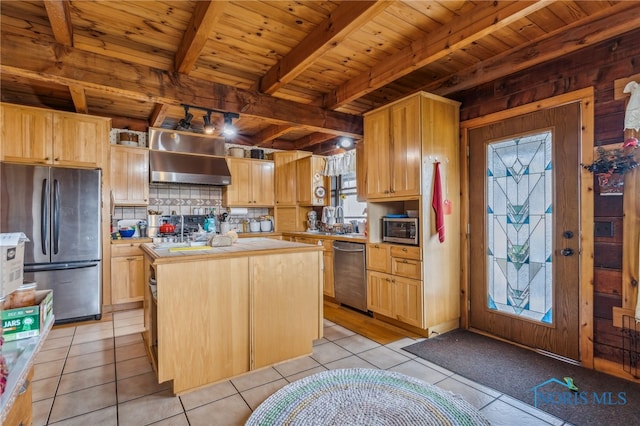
[[23, 296]]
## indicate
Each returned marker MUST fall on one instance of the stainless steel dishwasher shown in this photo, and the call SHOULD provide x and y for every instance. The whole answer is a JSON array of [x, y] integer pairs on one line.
[[349, 274]]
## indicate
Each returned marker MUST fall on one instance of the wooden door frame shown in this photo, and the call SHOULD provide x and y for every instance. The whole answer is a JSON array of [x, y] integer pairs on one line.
[[586, 98]]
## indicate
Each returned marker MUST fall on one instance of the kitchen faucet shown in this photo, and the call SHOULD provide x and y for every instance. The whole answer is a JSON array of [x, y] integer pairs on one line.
[[339, 215]]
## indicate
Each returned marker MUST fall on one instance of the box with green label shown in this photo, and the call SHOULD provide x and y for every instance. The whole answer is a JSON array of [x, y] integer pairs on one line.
[[22, 323]]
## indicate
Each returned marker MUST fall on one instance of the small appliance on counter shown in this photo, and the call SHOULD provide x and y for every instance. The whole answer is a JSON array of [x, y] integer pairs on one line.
[[312, 221]]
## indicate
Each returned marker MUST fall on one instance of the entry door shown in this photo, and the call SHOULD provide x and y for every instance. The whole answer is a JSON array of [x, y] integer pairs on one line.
[[524, 229]]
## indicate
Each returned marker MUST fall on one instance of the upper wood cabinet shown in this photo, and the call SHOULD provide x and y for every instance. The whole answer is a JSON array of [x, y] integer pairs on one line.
[[313, 187], [252, 183], [130, 175], [393, 149], [286, 176], [39, 136], [361, 172]]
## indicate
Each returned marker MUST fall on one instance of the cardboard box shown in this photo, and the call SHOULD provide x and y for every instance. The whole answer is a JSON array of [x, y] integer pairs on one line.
[[11, 261], [22, 323]]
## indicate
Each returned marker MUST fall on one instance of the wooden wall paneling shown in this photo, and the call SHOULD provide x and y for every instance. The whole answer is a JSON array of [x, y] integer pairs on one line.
[[603, 305], [615, 224], [608, 281], [607, 206], [607, 255]]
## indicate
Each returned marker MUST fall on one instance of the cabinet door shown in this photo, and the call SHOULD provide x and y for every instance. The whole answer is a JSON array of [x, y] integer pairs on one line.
[[378, 257], [275, 319], [405, 147], [378, 152], [26, 135], [238, 194], [408, 301], [361, 172], [380, 293], [285, 177], [327, 257], [130, 175], [262, 182], [290, 218], [78, 141], [127, 279]]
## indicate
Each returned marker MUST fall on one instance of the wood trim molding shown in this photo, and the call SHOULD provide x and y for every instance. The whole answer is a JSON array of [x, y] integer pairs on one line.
[[586, 98]]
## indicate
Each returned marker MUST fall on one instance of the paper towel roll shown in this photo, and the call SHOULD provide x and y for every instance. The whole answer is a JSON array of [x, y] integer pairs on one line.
[[238, 211]]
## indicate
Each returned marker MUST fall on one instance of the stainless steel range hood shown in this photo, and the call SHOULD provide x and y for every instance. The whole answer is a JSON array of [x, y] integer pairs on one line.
[[190, 158]]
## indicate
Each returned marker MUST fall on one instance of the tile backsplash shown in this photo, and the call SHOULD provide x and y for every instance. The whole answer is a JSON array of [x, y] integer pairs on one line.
[[181, 199]]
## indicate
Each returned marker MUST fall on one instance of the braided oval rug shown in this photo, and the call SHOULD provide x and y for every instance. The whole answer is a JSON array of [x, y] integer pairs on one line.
[[362, 396]]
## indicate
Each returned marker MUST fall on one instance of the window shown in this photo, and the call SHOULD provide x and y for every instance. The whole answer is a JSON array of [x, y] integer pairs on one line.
[[343, 193]]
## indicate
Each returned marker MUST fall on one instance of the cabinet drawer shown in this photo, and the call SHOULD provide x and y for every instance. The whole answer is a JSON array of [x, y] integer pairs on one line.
[[378, 257], [406, 252], [122, 250], [409, 268]]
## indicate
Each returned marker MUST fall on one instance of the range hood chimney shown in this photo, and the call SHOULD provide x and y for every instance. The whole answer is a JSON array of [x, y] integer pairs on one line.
[[184, 157]]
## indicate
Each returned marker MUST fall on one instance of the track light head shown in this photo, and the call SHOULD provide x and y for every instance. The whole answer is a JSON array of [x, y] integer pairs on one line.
[[208, 127]]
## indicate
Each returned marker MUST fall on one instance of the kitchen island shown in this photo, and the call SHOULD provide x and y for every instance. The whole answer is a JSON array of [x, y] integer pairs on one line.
[[216, 313]]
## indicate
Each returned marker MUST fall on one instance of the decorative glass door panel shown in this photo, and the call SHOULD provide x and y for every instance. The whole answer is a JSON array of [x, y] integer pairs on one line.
[[519, 226], [524, 230]]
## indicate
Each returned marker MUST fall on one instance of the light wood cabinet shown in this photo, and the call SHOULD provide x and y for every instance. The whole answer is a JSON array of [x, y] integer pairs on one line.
[[252, 183], [314, 188], [402, 141], [327, 260], [21, 412], [40, 136], [394, 282], [230, 315], [291, 218], [393, 149], [286, 173], [361, 172], [130, 175], [127, 273]]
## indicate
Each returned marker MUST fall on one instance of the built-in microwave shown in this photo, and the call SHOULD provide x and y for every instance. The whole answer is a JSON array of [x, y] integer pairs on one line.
[[403, 230]]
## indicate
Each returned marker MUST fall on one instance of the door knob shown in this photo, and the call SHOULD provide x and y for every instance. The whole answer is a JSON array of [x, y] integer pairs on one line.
[[567, 234], [566, 252]]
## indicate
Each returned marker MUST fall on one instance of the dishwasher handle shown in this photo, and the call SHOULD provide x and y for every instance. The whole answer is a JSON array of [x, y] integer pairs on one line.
[[344, 249]]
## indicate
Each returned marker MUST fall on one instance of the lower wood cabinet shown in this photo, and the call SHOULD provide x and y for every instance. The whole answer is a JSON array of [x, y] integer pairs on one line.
[[216, 318], [127, 273], [21, 413], [327, 258], [394, 282]]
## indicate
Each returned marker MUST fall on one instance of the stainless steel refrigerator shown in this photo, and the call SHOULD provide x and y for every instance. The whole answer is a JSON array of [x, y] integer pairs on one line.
[[59, 211]]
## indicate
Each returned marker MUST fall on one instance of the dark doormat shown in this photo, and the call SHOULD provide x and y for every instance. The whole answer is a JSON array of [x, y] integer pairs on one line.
[[538, 380]]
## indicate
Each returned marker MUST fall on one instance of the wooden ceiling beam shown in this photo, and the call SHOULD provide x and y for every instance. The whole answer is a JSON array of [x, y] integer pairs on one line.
[[158, 115], [60, 20], [202, 22], [347, 17], [460, 32], [614, 21], [312, 140], [50, 62], [265, 136], [79, 98]]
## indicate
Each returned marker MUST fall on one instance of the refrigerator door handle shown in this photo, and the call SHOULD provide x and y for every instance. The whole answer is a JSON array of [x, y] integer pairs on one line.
[[60, 266], [44, 215], [56, 216]]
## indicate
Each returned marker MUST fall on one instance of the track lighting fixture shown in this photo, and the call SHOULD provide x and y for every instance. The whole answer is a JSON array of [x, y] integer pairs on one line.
[[208, 127], [185, 123], [229, 129]]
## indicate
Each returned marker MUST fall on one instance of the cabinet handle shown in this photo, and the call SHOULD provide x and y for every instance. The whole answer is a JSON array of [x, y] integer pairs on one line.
[[131, 258], [404, 261], [404, 249], [393, 191]]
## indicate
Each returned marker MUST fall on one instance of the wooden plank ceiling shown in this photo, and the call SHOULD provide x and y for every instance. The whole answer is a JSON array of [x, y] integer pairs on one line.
[[299, 73]]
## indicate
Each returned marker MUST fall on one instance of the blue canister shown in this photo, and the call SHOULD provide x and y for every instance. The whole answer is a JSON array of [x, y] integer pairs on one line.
[[210, 224]]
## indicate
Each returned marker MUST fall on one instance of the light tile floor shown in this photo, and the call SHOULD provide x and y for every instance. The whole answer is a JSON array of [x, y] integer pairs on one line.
[[99, 374]]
